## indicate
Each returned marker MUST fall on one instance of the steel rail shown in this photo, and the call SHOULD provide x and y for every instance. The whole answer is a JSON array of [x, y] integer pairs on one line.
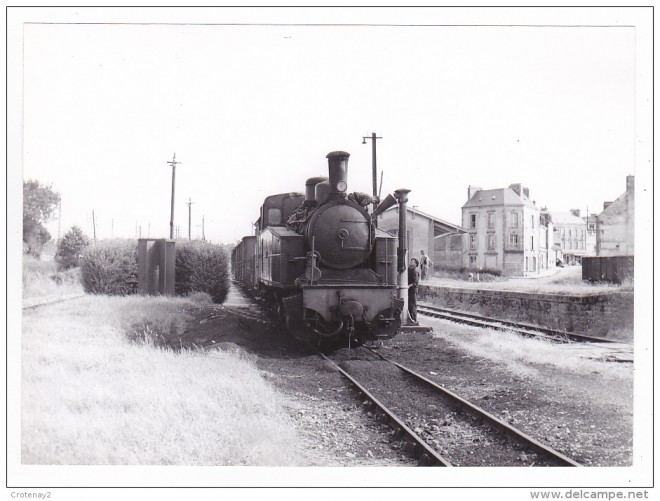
[[483, 415], [497, 324], [426, 455], [50, 301]]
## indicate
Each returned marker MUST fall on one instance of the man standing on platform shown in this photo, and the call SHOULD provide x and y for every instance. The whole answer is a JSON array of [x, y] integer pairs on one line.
[[426, 265]]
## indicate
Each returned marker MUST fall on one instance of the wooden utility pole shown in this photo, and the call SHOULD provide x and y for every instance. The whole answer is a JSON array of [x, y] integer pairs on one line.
[[94, 225], [203, 234], [59, 220], [173, 163], [189, 204], [374, 173]]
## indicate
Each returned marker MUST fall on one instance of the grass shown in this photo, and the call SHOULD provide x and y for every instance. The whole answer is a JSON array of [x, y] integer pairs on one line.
[[91, 396], [42, 279], [565, 281], [521, 354]]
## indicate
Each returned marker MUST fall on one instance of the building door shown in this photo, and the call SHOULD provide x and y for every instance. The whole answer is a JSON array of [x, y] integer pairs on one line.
[[491, 261]]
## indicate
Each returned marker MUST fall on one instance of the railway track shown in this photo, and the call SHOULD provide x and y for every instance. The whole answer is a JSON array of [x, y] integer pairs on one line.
[[36, 303], [505, 325], [490, 441]]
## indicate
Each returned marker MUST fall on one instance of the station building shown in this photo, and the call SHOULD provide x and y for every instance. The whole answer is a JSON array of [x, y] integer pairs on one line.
[[427, 233]]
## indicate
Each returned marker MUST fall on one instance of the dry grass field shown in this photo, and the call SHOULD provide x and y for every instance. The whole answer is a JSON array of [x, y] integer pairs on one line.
[[97, 391], [42, 279], [557, 281]]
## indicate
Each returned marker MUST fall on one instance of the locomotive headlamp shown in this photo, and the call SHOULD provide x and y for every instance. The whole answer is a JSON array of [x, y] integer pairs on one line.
[[341, 186]]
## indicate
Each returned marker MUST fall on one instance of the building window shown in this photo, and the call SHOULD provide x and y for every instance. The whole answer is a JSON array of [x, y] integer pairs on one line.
[[473, 242], [491, 220], [491, 242], [532, 242], [473, 261], [514, 219], [513, 239], [473, 220], [532, 220]]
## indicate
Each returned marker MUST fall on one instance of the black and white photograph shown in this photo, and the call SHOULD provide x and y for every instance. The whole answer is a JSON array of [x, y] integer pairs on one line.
[[306, 248]]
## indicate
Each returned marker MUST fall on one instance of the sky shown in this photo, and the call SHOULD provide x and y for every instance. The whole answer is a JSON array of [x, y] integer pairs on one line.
[[253, 109]]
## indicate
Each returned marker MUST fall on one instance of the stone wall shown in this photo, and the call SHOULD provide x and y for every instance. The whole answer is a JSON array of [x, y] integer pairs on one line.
[[608, 315]]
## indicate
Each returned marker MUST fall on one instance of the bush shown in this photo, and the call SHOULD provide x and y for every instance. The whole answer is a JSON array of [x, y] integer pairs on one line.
[[201, 267], [35, 235], [110, 267], [70, 248]]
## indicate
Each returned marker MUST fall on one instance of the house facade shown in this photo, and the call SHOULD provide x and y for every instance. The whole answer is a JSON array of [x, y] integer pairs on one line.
[[505, 231], [615, 226], [570, 234]]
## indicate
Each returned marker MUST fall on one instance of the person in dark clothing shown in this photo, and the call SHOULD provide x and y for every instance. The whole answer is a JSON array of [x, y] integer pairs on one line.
[[413, 282]]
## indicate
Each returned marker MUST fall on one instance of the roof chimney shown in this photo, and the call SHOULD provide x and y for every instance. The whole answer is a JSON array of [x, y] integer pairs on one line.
[[517, 188], [526, 192], [630, 183], [606, 205], [472, 190], [575, 212]]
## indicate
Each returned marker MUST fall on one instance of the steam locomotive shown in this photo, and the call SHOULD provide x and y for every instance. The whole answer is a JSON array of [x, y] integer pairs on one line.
[[320, 263]]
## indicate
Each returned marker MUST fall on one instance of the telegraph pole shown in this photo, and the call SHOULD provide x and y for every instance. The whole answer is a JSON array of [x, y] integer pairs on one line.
[[94, 225], [173, 163], [59, 220], [189, 204], [203, 235], [373, 162]]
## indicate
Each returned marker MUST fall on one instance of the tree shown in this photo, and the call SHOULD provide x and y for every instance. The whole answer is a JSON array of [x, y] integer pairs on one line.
[[70, 248], [39, 202]]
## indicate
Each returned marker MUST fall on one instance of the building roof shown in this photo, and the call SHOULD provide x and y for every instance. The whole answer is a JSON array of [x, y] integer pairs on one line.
[[499, 196], [564, 218], [440, 224]]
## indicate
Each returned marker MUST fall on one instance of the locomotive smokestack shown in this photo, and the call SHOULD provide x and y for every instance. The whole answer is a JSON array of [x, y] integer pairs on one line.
[[338, 171]]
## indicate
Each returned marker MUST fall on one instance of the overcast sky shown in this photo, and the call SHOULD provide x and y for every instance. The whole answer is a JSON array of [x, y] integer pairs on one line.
[[252, 110]]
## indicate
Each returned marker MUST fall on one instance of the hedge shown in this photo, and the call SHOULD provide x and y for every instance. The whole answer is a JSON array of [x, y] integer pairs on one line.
[[110, 267], [201, 267]]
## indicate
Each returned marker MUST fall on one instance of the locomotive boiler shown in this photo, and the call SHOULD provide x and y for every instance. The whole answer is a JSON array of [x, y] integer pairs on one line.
[[320, 262]]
